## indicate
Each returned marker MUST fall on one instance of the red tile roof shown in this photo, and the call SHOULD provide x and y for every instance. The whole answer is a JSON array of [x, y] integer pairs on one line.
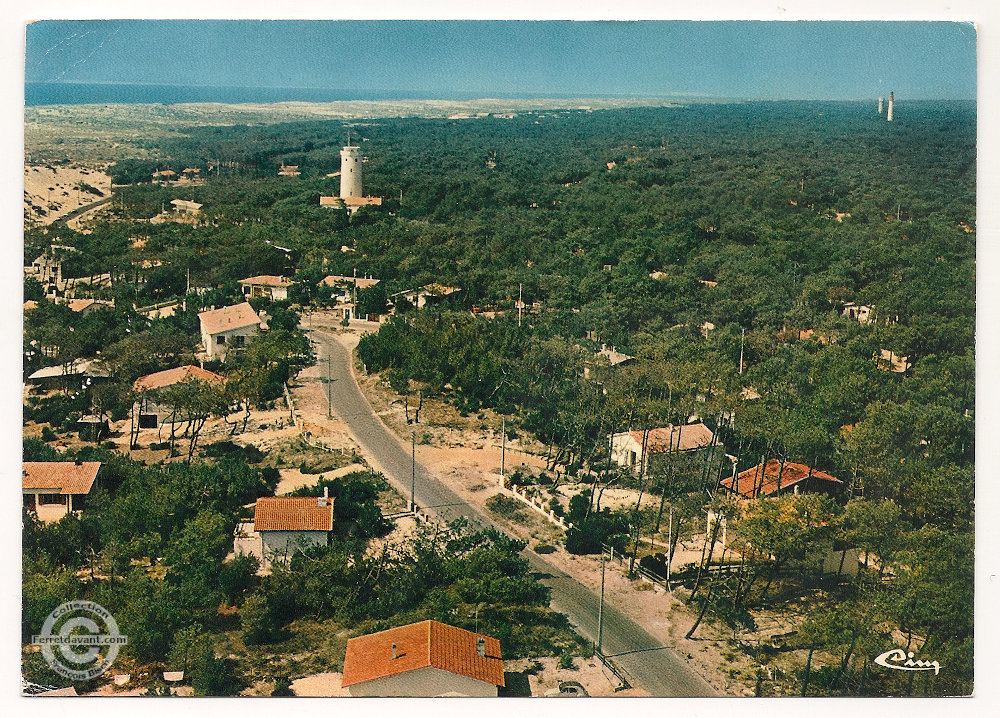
[[64, 477], [267, 280], [237, 316], [361, 201], [748, 483], [420, 645], [692, 436], [292, 513], [160, 379], [336, 280]]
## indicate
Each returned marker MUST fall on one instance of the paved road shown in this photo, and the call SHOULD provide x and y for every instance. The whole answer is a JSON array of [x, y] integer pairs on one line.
[[80, 210], [647, 662]]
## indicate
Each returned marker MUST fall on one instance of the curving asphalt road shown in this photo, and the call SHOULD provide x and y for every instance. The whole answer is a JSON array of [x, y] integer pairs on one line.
[[647, 663]]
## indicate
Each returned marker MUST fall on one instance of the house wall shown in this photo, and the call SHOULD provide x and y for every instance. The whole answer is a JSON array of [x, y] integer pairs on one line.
[[216, 350], [277, 294], [625, 450], [278, 545], [426, 682]]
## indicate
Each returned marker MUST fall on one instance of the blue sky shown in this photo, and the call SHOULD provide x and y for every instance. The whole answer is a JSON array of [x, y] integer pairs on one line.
[[774, 60]]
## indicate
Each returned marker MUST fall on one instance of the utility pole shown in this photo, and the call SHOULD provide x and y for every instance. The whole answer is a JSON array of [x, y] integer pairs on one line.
[[329, 392], [670, 544], [519, 303], [503, 447], [600, 607], [743, 333], [413, 472]]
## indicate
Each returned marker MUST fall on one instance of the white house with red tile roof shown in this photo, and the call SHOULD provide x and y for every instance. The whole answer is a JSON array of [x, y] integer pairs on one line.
[[52, 489], [626, 447], [426, 659], [266, 285], [227, 327], [286, 524]]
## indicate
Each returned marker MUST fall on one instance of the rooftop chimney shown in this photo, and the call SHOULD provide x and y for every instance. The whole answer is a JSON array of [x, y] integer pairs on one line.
[[393, 651], [325, 498], [481, 647]]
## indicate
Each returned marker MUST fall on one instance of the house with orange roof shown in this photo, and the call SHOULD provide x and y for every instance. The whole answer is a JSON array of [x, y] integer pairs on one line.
[[425, 659], [266, 285], [778, 477], [228, 327], [52, 489], [146, 408], [283, 525], [627, 446]]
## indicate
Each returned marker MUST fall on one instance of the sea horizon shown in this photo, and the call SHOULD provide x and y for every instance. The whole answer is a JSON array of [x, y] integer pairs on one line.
[[39, 94]]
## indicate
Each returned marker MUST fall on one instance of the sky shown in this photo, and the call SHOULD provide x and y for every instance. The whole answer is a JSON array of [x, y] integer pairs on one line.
[[755, 60]]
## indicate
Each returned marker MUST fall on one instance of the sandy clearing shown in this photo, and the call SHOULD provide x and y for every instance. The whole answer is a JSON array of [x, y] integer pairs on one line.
[[54, 190], [320, 685], [292, 479]]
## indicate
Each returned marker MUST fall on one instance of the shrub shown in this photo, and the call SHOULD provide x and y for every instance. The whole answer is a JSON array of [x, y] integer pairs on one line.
[[505, 506], [544, 548], [566, 662], [48, 434], [257, 620], [282, 687], [588, 536]]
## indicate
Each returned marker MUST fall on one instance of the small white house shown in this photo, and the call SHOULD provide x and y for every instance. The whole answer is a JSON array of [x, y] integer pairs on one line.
[[222, 329], [860, 312], [266, 285], [626, 447], [427, 294], [423, 660], [287, 524]]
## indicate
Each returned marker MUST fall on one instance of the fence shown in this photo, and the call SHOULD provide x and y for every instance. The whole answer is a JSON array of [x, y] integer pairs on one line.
[[537, 504]]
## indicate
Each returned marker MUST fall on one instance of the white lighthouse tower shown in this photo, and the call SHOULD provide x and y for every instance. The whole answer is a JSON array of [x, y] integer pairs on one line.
[[880, 101], [889, 115], [350, 171]]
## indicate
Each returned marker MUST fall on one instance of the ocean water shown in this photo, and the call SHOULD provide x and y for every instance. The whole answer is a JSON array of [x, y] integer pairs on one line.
[[48, 93]]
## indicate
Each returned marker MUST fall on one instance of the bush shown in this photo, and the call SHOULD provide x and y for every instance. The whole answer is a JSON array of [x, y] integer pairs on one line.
[[544, 548], [251, 454], [579, 504], [589, 535], [566, 662], [556, 507], [238, 576], [282, 687], [505, 506], [48, 434], [257, 620]]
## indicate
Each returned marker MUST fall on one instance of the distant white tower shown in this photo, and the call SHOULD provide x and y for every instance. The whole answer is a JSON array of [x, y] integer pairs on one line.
[[880, 100], [350, 171], [889, 116]]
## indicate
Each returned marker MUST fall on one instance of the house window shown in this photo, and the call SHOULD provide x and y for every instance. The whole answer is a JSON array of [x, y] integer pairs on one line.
[[46, 499], [220, 340], [633, 457], [240, 340]]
